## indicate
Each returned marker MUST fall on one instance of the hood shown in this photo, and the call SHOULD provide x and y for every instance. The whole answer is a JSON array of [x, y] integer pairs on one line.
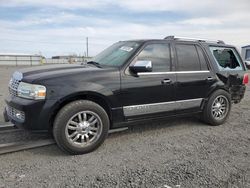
[[53, 71], [48, 68]]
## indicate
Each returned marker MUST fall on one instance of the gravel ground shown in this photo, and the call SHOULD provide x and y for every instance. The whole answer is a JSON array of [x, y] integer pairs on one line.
[[179, 152]]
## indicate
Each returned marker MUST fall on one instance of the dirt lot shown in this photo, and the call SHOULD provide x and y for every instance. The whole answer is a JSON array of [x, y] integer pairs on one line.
[[179, 152]]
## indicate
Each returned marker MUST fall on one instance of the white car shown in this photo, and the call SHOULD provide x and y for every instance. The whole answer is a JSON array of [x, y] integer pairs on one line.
[[247, 62]]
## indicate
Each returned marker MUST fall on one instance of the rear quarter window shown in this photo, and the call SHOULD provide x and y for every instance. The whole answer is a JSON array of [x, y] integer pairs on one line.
[[226, 58], [203, 62]]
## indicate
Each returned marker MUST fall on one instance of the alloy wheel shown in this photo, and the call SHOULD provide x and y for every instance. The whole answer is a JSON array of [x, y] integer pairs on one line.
[[83, 128], [220, 107]]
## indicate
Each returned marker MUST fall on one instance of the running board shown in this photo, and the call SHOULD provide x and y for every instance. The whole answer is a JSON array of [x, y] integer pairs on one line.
[[118, 130]]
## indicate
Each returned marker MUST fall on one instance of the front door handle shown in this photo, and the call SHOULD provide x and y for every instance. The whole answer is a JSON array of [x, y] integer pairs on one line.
[[166, 81]]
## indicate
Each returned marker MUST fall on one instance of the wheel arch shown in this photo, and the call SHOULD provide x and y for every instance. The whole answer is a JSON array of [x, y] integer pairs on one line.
[[213, 89], [87, 95]]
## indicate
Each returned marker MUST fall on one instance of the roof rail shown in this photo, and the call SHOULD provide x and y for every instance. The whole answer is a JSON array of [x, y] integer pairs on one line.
[[171, 37]]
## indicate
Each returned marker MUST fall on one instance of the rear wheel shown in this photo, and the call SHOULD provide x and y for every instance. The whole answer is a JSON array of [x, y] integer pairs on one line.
[[217, 108], [80, 127]]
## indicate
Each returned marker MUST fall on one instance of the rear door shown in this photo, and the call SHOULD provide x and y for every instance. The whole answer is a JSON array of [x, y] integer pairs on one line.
[[194, 77]]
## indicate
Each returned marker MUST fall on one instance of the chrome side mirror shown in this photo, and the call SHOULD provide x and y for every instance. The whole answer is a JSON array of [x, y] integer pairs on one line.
[[141, 66]]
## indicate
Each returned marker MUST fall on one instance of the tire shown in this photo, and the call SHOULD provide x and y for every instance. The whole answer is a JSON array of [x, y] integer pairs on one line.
[[80, 127], [217, 108]]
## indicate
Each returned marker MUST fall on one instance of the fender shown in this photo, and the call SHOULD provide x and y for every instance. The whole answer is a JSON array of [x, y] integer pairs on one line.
[[71, 92], [85, 88], [98, 92]]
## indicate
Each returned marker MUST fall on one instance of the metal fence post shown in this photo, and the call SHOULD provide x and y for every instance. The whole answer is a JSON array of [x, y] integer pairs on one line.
[[30, 60]]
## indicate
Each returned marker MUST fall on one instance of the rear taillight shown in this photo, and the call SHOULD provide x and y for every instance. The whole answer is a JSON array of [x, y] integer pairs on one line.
[[245, 79]]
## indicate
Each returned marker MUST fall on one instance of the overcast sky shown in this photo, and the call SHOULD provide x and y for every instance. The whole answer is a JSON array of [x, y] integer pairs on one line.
[[59, 27]]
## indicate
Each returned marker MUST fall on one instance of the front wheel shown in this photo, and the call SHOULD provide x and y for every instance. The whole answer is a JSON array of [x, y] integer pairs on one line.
[[217, 108], [80, 127]]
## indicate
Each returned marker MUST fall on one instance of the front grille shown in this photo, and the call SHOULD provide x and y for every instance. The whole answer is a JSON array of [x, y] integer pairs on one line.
[[15, 114], [13, 85]]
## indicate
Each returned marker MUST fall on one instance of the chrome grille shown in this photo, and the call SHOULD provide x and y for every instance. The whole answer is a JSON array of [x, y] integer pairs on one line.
[[15, 114], [13, 85]]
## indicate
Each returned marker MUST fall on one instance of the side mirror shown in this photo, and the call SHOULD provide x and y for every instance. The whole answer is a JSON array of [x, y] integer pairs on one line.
[[247, 63], [141, 66]]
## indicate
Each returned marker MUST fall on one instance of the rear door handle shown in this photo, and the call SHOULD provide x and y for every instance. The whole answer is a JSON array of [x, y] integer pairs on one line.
[[166, 81], [209, 79]]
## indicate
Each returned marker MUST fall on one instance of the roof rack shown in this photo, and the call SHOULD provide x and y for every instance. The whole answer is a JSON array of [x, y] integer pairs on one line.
[[193, 39]]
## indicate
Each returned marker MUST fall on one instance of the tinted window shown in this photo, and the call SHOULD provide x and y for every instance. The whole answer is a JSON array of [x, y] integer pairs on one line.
[[226, 58], [203, 62], [187, 57], [158, 54]]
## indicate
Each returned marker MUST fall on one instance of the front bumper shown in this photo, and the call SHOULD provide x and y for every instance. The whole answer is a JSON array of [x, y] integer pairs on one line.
[[29, 114]]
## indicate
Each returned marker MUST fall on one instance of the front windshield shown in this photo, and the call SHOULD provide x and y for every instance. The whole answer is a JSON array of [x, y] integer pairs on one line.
[[117, 54]]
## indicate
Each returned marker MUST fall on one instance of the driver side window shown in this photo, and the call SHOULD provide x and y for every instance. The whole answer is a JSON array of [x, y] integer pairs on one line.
[[158, 54]]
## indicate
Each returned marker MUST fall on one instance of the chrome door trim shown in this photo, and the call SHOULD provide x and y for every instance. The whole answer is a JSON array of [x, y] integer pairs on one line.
[[186, 104], [172, 72], [142, 109]]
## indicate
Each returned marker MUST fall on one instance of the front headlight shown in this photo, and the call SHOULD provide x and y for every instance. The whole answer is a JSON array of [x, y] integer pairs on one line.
[[31, 91]]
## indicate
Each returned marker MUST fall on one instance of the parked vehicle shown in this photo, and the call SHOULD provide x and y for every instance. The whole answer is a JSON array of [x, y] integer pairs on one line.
[[245, 54], [128, 82]]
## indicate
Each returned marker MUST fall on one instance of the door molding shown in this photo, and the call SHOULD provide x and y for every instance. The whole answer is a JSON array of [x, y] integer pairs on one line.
[[142, 109], [173, 72]]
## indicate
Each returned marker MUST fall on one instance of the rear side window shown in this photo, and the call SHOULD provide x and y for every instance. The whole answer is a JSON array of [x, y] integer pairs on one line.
[[203, 62], [226, 58], [187, 56], [158, 54]]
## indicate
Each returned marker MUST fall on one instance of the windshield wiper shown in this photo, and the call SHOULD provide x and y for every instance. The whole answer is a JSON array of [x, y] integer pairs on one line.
[[95, 63]]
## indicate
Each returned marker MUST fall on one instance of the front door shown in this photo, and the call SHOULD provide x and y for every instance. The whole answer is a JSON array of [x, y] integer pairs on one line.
[[149, 93]]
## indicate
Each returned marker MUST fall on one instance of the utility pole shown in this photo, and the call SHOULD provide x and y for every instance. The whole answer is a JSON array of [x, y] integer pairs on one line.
[[87, 46]]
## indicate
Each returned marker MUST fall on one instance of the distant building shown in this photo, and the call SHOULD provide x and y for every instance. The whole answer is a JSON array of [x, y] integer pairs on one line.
[[245, 53], [20, 59], [72, 58], [62, 57]]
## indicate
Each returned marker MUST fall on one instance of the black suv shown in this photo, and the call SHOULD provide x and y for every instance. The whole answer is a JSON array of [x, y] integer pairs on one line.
[[128, 82]]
